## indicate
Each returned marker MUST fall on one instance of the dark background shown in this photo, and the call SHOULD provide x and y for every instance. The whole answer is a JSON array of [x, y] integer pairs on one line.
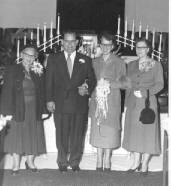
[[96, 15]]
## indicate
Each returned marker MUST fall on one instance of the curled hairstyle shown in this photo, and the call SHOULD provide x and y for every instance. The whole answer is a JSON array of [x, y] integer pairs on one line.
[[109, 37]]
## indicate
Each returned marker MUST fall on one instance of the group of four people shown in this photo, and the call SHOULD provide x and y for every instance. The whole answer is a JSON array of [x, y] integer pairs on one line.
[[74, 88]]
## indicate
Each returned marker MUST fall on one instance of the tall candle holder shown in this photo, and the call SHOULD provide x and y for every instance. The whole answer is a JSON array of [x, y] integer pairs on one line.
[[131, 41]]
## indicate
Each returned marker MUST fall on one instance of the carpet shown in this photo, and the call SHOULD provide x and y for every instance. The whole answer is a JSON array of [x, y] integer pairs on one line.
[[49, 177]]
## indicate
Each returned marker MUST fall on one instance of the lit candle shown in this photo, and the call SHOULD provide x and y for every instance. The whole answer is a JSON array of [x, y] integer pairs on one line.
[[58, 26], [153, 40], [18, 49], [146, 34], [24, 39], [140, 27], [132, 35], [44, 32], [51, 34], [125, 33], [31, 35], [119, 23], [160, 42], [44, 37], [38, 38]]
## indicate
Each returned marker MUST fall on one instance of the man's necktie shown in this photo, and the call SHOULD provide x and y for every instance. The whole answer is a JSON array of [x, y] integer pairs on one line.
[[69, 64]]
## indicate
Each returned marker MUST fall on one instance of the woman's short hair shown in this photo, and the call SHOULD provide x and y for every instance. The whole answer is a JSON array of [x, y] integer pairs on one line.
[[32, 46], [107, 35], [72, 32]]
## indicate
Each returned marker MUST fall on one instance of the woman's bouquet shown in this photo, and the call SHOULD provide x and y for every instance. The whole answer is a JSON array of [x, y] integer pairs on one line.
[[37, 68], [102, 92]]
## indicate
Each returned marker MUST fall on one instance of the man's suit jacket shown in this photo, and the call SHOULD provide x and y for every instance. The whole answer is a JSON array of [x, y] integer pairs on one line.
[[62, 89]]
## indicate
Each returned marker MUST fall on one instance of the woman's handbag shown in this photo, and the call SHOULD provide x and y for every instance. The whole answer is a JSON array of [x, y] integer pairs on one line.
[[147, 115]]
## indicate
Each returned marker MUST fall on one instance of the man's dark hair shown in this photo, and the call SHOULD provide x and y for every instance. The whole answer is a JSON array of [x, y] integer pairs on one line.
[[69, 32]]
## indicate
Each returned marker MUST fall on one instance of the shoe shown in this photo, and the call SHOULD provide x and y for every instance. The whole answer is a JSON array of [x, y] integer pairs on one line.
[[76, 168], [63, 169], [107, 169], [144, 173], [31, 169], [99, 169], [14, 172], [136, 169]]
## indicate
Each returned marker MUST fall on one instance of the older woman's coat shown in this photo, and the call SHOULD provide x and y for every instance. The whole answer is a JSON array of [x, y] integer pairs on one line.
[[137, 136]]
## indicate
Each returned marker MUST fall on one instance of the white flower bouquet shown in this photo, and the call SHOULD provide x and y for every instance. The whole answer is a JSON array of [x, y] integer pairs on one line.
[[102, 92], [37, 68]]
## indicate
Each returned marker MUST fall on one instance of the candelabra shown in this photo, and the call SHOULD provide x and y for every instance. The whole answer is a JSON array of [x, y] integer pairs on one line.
[[126, 41], [48, 42]]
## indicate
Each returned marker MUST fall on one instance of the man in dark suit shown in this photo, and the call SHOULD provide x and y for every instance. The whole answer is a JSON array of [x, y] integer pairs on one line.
[[70, 80]]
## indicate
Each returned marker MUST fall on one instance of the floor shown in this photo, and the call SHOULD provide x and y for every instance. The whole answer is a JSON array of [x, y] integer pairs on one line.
[[119, 162]]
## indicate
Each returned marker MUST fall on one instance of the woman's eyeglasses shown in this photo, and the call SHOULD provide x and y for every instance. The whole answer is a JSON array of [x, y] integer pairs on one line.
[[143, 47], [33, 57], [106, 45]]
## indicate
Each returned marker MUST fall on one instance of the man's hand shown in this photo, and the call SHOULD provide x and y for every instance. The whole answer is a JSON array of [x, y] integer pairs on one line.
[[51, 106], [83, 89]]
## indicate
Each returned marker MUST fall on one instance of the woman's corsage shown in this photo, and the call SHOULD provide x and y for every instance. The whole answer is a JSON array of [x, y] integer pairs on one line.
[[102, 91], [146, 65], [37, 68]]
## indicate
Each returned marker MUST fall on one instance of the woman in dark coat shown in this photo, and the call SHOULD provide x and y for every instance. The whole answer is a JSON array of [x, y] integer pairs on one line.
[[23, 98], [143, 140]]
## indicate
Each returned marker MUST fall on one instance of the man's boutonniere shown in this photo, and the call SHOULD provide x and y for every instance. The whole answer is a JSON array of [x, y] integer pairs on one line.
[[37, 68], [81, 60]]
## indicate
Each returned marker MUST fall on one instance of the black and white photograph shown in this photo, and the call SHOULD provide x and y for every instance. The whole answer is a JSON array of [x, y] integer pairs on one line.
[[84, 93]]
